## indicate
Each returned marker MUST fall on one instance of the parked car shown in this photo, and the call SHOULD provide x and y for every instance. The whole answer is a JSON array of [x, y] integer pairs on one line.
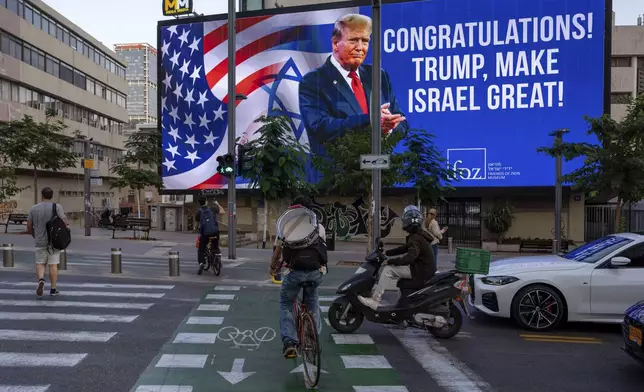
[[632, 329], [596, 282]]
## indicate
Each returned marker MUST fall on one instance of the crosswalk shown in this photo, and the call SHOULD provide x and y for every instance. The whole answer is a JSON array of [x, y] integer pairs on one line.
[[64, 331]]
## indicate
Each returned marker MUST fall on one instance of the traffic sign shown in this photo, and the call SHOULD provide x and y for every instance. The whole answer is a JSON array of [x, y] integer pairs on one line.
[[94, 173], [88, 163], [96, 181], [368, 162]]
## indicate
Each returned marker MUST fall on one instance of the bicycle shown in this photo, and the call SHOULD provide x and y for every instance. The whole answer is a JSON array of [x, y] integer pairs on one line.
[[308, 340], [213, 259]]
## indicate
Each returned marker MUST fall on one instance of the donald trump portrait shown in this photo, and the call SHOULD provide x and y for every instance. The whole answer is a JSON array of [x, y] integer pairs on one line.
[[336, 96]]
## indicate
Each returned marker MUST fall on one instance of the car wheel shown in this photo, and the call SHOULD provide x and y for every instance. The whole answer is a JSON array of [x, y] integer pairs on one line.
[[538, 308]]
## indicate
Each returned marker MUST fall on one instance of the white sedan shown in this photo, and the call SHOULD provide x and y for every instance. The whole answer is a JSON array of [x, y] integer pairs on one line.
[[596, 282]]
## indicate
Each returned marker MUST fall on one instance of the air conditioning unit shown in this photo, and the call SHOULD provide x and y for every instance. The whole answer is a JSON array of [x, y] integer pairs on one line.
[[60, 113], [41, 106]]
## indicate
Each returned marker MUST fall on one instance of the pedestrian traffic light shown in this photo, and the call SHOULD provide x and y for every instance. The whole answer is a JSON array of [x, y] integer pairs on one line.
[[243, 156], [226, 165]]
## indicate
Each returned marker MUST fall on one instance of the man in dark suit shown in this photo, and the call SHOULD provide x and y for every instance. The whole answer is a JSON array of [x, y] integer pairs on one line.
[[336, 96]]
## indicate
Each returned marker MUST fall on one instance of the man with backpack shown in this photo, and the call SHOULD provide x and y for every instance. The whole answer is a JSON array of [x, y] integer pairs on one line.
[[208, 227], [50, 229]]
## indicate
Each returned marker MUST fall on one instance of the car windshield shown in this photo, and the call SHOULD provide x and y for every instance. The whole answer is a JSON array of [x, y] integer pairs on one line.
[[598, 249]]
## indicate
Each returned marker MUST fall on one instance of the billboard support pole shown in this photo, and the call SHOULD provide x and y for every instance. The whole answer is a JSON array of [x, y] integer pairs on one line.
[[232, 183], [376, 134], [556, 244]]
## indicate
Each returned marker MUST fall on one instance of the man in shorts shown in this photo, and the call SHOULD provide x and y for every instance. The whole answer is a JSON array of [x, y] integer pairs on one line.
[[39, 215]]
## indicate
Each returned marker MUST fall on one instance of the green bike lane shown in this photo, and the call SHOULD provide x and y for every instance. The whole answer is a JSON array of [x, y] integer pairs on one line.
[[231, 342]]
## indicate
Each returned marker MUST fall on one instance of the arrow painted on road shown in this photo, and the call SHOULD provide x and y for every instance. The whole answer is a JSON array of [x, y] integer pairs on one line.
[[237, 373], [300, 369]]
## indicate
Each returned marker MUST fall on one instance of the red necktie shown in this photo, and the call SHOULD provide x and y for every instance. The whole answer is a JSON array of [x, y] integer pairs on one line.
[[356, 85]]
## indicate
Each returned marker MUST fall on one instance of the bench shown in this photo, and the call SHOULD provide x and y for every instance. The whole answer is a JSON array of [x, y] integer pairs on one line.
[[17, 219], [541, 245], [134, 223]]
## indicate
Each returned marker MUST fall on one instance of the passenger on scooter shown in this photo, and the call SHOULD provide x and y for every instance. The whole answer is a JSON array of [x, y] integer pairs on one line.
[[417, 264]]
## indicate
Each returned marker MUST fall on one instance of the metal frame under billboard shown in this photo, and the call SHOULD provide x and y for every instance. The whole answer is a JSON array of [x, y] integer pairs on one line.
[[607, 32]]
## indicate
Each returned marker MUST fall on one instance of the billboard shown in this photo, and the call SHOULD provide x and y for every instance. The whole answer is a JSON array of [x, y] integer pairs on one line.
[[491, 79]]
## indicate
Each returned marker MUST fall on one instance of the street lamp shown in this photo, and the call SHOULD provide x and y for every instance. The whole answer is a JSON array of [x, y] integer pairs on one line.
[[558, 134]]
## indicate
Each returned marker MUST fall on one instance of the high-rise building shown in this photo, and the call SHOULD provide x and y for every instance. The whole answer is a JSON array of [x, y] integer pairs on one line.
[[141, 78], [47, 62]]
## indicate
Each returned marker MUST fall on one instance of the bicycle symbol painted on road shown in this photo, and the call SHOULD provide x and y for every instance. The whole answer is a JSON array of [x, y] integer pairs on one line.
[[246, 339]]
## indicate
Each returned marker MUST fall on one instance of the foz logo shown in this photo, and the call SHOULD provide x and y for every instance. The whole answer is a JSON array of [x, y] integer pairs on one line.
[[176, 7], [468, 163]]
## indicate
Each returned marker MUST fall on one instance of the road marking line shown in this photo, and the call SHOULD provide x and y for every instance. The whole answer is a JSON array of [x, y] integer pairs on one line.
[[73, 304], [300, 369], [220, 296], [326, 299], [206, 320], [564, 341], [39, 359], [449, 372], [196, 338], [213, 308], [227, 288], [59, 336], [326, 320], [100, 318], [352, 339], [102, 285], [164, 388], [182, 361], [365, 362], [24, 388], [324, 308], [560, 337], [384, 388], [87, 293]]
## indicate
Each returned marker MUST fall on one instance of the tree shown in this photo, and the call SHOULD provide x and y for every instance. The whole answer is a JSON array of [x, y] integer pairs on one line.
[[615, 165], [41, 145], [278, 166], [499, 218], [340, 166], [425, 167], [139, 166]]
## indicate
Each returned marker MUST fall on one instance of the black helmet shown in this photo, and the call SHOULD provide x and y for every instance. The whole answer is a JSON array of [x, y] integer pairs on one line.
[[412, 219]]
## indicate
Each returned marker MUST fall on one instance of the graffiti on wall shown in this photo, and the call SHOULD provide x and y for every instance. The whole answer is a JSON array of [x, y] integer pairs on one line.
[[349, 220]]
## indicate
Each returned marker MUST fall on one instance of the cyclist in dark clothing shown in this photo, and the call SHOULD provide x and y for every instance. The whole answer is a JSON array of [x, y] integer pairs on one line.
[[217, 209]]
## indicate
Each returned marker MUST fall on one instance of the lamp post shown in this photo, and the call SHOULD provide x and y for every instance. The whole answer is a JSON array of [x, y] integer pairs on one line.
[[558, 134]]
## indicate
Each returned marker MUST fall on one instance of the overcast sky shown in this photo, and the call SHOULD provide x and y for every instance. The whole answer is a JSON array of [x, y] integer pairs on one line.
[[134, 21]]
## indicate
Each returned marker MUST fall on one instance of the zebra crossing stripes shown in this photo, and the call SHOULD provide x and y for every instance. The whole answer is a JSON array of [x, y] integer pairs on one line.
[[24, 388], [73, 293]]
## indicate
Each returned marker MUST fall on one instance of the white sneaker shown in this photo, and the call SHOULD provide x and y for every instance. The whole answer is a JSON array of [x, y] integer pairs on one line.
[[372, 303]]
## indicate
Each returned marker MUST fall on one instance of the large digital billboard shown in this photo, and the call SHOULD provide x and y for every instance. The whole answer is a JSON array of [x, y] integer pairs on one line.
[[490, 78]]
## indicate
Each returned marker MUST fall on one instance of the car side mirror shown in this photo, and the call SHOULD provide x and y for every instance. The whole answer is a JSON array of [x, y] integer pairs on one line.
[[619, 261]]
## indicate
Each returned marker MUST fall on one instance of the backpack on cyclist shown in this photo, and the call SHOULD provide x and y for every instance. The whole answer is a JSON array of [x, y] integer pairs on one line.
[[310, 258], [207, 222], [58, 234]]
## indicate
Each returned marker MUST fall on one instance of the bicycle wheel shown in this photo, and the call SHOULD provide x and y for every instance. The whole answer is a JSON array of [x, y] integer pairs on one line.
[[217, 265], [310, 348]]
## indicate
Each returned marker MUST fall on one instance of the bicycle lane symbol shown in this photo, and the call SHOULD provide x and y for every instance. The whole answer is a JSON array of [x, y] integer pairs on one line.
[[248, 338]]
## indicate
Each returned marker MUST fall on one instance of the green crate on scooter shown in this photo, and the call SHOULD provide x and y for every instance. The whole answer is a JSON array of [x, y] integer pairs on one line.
[[473, 261]]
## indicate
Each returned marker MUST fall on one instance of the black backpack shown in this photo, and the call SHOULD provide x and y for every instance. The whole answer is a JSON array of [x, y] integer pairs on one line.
[[58, 234], [310, 258]]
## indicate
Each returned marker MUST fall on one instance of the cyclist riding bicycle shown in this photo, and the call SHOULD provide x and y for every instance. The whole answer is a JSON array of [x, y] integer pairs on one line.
[[208, 230], [306, 262]]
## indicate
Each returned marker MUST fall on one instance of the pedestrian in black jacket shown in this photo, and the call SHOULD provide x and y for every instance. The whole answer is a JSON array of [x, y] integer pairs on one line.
[[417, 264]]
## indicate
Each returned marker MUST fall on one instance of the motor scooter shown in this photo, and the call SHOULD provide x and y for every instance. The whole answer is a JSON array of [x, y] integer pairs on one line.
[[432, 306]]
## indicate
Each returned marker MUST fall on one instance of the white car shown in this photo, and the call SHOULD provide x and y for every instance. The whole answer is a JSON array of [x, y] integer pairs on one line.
[[596, 282]]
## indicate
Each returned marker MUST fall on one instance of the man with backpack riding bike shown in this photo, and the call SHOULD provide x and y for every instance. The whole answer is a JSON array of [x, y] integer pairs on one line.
[[306, 263], [208, 228]]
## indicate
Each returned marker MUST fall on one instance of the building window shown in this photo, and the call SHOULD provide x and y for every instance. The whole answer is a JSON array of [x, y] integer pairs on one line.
[[620, 62], [640, 75], [252, 5], [620, 98]]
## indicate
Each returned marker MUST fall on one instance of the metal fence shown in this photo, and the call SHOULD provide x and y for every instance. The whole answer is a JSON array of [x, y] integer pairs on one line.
[[600, 221]]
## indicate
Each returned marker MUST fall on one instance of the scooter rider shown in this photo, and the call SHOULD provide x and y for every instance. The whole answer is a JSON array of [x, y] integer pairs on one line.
[[418, 264]]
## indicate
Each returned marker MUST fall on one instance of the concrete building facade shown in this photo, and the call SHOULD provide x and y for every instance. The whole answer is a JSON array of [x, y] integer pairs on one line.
[[142, 97], [47, 62]]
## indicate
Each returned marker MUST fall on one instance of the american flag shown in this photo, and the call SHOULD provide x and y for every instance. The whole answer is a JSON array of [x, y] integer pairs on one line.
[[272, 55]]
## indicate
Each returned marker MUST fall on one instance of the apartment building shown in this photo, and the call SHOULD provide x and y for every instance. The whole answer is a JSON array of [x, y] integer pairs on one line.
[[141, 60], [47, 62], [627, 66]]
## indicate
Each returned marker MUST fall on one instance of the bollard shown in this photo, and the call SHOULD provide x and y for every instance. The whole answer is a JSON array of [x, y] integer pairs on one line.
[[116, 260], [450, 245], [62, 264], [554, 247], [173, 263], [7, 255]]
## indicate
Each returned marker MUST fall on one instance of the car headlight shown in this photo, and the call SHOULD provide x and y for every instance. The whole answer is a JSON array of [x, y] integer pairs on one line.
[[499, 280]]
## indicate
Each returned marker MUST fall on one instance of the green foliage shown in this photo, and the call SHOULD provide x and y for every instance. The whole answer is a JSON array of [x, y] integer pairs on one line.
[[499, 218], [340, 165], [8, 183], [278, 161], [425, 167], [41, 145], [143, 148], [614, 166]]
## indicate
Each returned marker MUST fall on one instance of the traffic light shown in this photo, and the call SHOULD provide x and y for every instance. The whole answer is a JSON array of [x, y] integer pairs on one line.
[[226, 165], [243, 156]]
